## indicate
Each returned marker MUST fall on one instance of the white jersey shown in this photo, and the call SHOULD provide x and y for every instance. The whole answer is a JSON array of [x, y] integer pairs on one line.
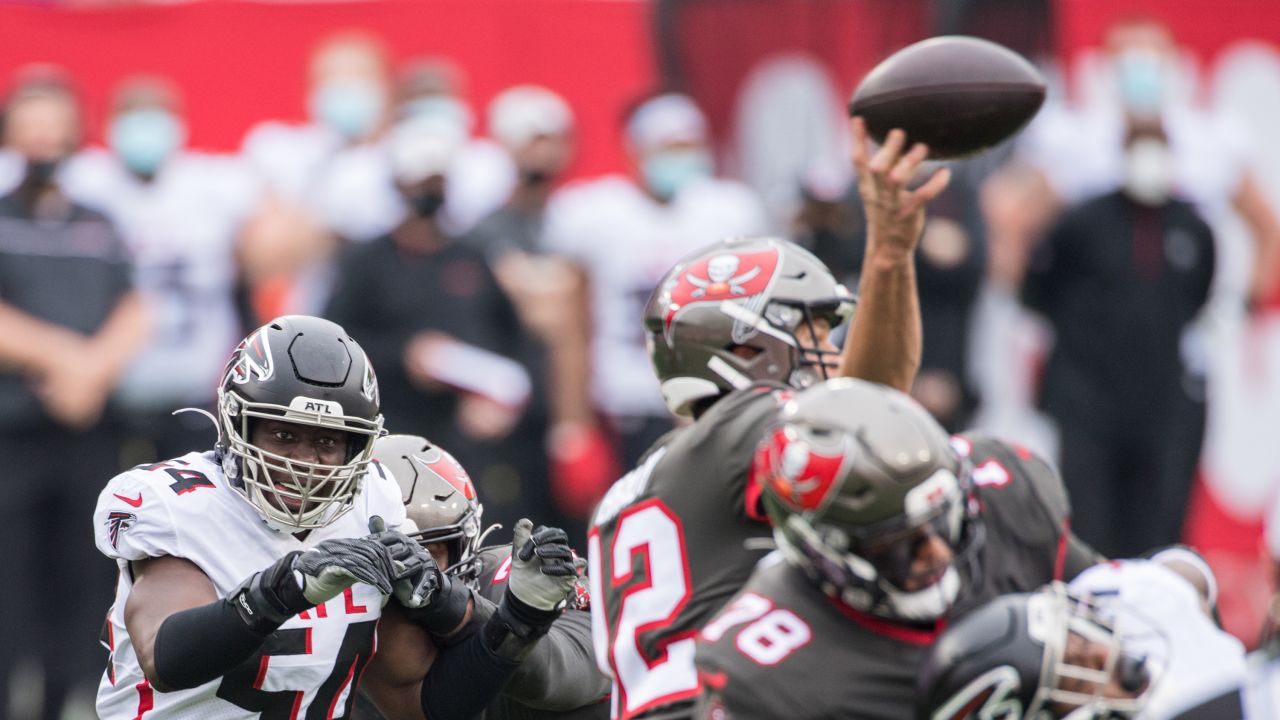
[[12, 167], [181, 230], [1261, 692], [627, 241], [1196, 659], [185, 508]]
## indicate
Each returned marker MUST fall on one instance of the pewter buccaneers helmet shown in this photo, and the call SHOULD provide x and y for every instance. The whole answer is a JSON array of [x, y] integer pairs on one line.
[[303, 370], [1010, 659], [853, 475], [727, 316], [439, 498]]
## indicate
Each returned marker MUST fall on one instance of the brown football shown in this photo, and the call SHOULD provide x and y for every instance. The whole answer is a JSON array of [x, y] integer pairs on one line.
[[958, 95]]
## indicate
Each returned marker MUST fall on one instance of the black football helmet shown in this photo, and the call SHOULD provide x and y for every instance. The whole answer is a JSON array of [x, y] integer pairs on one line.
[[727, 315], [854, 475], [439, 499], [1019, 656], [304, 370]]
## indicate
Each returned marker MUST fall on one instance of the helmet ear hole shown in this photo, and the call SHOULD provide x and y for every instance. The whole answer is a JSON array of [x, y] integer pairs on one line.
[[746, 352]]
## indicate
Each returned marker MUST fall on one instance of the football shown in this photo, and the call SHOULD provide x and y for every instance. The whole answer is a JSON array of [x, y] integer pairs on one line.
[[958, 95]]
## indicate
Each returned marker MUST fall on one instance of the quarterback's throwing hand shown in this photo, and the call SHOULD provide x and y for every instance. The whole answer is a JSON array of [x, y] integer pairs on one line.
[[895, 213], [335, 565], [544, 569]]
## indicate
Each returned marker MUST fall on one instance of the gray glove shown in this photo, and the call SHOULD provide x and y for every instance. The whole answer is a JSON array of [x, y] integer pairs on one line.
[[417, 578], [544, 570], [335, 565]]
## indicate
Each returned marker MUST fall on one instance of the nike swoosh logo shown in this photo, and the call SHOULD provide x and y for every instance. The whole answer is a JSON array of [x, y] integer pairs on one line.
[[133, 502]]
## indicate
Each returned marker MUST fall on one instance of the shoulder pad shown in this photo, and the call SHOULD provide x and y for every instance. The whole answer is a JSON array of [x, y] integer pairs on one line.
[[1013, 481]]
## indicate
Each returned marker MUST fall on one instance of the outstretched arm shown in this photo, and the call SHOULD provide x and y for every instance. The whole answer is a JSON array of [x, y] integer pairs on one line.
[[885, 339]]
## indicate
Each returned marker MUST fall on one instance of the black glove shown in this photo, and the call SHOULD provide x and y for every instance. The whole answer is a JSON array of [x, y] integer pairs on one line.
[[417, 577], [432, 599], [304, 579]]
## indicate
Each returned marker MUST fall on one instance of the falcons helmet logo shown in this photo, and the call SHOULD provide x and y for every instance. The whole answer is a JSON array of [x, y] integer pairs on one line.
[[252, 358]]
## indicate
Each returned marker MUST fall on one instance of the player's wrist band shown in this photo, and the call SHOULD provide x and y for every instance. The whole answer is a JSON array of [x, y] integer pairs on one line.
[[268, 598], [516, 627], [446, 610]]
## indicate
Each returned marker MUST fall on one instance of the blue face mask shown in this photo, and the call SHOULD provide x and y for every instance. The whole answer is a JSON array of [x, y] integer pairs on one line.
[[437, 106], [351, 107], [667, 171], [144, 139], [1142, 79]]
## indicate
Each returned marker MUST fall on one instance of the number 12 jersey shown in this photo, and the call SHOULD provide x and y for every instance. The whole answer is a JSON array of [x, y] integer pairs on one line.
[[670, 543]]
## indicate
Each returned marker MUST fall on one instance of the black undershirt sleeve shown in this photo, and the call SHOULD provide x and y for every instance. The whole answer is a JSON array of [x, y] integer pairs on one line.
[[201, 644], [464, 679], [560, 673]]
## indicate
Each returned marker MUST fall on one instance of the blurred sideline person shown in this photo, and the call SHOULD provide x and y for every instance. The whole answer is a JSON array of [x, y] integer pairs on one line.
[[1043, 654], [731, 330], [558, 679], [481, 175], [535, 126], [626, 231], [324, 180], [348, 103], [1081, 152], [1074, 151], [1121, 278], [71, 323], [456, 363], [232, 561], [179, 212], [886, 530]]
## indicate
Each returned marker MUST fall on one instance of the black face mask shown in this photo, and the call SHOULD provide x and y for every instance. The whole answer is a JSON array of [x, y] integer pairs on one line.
[[426, 205], [40, 172], [535, 177]]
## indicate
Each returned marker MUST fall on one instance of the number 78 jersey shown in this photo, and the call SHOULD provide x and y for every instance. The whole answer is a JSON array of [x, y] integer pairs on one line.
[[669, 545], [185, 508]]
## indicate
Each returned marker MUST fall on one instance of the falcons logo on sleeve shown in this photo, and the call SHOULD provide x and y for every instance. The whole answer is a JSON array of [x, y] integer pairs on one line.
[[118, 522]]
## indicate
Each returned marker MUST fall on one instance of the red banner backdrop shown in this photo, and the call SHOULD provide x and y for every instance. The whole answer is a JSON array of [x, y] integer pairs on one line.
[[239, 63], [1205, 26], [718, 42]]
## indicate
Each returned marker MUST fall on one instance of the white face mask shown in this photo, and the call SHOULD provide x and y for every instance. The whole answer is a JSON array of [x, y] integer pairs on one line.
[[928, 603], [1148, 172]]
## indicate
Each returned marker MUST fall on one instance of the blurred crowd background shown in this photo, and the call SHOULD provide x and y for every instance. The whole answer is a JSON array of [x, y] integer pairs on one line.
[[483, 193]]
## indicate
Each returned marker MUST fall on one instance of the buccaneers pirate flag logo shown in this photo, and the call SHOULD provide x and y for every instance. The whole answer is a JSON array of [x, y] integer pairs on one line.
[[742, 276], [800, 475]]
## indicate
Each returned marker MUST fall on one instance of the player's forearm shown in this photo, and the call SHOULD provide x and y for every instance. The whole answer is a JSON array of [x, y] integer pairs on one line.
[[195, 646], [884, 342], [560, 673]]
